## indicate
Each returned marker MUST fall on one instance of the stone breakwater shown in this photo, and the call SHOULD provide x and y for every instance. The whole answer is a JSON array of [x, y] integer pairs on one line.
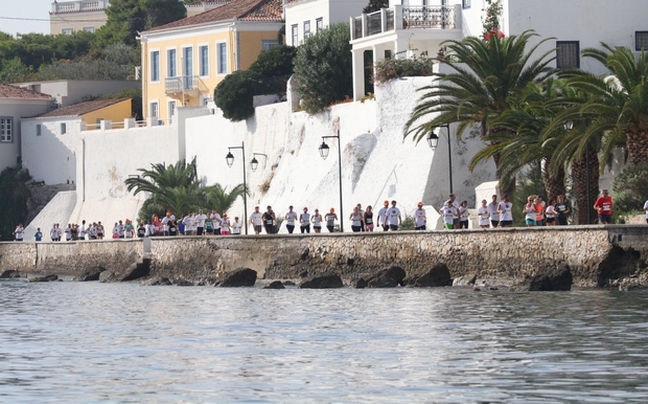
[[595, 255]]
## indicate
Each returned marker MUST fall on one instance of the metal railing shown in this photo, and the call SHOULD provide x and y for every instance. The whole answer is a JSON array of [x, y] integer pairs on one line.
[[406, 17], [184, 83]]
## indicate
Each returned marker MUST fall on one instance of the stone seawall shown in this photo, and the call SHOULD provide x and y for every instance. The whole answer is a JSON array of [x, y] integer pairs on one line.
[[595, 255]]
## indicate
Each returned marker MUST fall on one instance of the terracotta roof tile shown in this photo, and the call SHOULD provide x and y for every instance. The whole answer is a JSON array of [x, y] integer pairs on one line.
[[82, 108], [235, 10], [10, 91]]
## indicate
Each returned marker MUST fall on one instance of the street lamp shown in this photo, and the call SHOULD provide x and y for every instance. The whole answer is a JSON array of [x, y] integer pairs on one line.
[[433, 142], [569, 125], [255, 163], [230, 160], [324, 152]]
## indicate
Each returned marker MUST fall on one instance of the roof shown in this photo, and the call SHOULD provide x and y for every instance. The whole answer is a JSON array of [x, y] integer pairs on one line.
[[82, 108], [10, 91], [235, 10]]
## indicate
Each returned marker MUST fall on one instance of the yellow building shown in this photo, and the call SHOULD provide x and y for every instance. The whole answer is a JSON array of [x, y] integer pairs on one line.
[[183, 61]]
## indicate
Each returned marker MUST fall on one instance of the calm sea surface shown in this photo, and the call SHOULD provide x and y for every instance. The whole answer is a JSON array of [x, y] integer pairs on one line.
[[89, 342]]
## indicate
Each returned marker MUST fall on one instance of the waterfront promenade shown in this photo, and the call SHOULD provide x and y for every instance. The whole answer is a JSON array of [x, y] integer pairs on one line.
[[595, 255]]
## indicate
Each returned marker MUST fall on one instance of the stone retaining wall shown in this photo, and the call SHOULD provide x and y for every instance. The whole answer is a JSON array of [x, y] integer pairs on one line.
[[595, 254]]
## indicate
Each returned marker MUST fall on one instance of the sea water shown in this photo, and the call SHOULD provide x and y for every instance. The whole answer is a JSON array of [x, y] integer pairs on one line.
[[90, 342]]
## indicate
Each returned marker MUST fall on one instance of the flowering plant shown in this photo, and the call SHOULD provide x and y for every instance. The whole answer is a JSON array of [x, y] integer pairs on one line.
[[491, 22]]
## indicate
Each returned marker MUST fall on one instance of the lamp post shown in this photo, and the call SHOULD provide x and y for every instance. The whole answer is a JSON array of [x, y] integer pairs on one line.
[[569, 125], [230, 160], [324, 152], [433, 142], [255, 163]]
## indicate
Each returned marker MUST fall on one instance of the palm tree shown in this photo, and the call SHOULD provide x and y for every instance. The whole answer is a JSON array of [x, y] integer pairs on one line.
[[161, 176], [220, 200], [619, 102], [486, 74], [520, 137]]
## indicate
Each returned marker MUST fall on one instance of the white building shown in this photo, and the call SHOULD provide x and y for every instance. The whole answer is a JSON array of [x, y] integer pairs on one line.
[[418, 27], [307, 17], [68, 92]]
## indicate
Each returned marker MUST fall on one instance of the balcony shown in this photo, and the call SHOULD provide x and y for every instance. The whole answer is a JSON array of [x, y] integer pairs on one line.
[[79, 6], [406, 17], [180, 86]]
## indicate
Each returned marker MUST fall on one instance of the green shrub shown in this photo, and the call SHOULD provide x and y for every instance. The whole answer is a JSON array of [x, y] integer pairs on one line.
[[234, 96], [391, 69], [408, 223], [630, 189], [323, 71], [13, 204]]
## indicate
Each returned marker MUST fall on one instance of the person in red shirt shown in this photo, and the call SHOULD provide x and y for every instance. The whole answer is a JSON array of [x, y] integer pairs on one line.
[[603, 206]]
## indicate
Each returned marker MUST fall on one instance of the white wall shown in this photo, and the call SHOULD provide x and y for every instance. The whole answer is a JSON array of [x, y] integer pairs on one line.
[[68, 92], [17, 109], [51, 157], [331, 12]]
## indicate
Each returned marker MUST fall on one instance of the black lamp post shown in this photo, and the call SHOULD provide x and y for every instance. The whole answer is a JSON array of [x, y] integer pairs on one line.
[[230, 160], [324, 152], [255, 163], [433, 142]]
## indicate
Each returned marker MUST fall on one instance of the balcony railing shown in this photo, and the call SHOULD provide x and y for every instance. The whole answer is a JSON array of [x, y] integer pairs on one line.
[[79, 6], [191, 85], [406, 17]]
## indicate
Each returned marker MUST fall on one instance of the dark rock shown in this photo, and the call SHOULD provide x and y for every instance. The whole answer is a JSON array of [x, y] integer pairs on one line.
[[289, 283], [182, 282], [439, 275], [466, 280], [322, 282], [554, 279], [358, 283], [239, 277], [46, 278], [138, 270], [304, 254], [10, 274], [303, 274], [387, 278], [92, 274], [275, 285]]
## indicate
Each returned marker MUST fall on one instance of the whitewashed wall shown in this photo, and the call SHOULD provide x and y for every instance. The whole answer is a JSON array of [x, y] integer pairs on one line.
[[331, 12], [16, 109]]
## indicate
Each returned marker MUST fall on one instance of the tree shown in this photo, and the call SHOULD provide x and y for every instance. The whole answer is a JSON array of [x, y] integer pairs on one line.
[[220, 200], [375, 5], [128, 17], [619, 103], [487, 73], [13, 204], [234, 95], [323, 68]]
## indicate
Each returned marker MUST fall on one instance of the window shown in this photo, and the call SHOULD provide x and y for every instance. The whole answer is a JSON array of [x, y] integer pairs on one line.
[[6, 130], [155, 66], [187, 68], [306, 29], [266, 45], [172, 110], [641, 40], [66, 31], [204, 60], [319, 24], [567, 54], [172, 69], [63, 128], [88, 29], [154, 109], [38, 130], [222, 58], [294, 31], [465, 4]]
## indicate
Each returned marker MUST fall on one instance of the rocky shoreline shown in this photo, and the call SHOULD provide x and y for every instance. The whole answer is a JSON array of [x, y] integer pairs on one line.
[[519, 259]]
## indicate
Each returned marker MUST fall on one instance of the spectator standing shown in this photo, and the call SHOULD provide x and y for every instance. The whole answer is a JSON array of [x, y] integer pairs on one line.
[[38, 236], [604, 207], [19, 232]]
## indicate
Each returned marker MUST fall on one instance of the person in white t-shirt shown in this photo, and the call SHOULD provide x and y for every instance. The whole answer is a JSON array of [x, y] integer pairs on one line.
[[464, 215], [236, 226], [200, 222], [646, 209], [304, 221], [382, 216], [492, 211], [256, 220], [394, 218], [19, 232], [506, 214], [317, 221], [420, 219], [484, 215], [291, 217], [225, 225], [448, 212], [216, 221]]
